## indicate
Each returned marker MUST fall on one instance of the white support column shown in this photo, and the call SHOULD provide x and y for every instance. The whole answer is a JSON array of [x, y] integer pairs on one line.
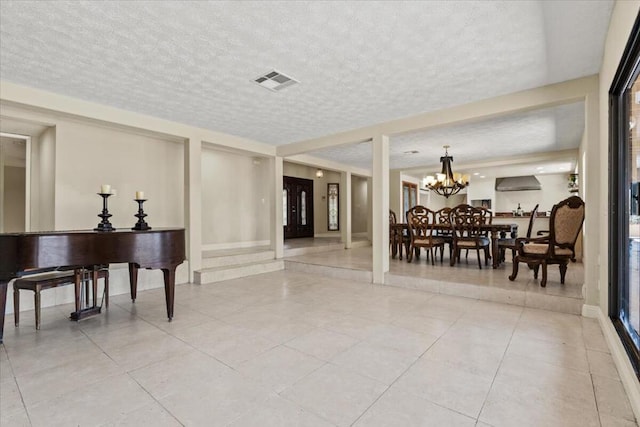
[[380, 204], [277, 232], [596, 206], [193, 203], [345, 208], [369, 209]]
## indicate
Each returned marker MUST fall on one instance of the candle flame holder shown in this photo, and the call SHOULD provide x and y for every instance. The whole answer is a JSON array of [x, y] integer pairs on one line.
[[104, 225], [141, 225]]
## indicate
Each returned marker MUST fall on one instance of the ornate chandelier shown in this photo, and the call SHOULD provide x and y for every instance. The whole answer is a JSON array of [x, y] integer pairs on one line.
[[446, 183]]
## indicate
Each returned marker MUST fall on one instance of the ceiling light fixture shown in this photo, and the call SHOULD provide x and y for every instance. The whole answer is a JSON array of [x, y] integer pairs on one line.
[[446, 183], [319, 173]]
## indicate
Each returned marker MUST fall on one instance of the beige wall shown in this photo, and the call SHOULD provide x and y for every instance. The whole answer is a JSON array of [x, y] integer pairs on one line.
[[14, 199], [89, 155], [236, 200], [360, 206]]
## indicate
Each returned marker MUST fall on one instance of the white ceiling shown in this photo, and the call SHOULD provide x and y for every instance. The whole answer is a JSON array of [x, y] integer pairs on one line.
[[540, 131], [358, 63]]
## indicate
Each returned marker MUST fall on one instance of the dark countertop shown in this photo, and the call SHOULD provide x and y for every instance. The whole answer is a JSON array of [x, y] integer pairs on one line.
[[525, 215]]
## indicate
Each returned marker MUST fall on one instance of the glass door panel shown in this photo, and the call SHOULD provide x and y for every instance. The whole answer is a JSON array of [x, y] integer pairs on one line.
[[630, 297]]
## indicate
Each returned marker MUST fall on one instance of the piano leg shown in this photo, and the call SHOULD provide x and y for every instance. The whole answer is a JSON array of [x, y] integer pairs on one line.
[[3, 305], [133, 280], [169, 288]]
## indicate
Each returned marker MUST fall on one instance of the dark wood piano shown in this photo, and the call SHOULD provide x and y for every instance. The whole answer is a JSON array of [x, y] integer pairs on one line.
[[26, 253]]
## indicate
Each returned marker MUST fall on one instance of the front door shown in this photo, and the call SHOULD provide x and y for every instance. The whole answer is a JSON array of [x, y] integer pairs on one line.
[[297, 207]]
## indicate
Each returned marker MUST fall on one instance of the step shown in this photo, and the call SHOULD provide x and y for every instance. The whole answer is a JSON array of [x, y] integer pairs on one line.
[[218, 274], [329, 271], [313, 249], [213, 259], [536, 298]]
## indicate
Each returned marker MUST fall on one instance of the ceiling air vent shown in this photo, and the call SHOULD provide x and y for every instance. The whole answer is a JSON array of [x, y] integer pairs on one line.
[[274, 80]]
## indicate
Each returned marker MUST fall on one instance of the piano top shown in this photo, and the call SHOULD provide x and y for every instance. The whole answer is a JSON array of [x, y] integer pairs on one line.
[[58, 232], [155, 248]]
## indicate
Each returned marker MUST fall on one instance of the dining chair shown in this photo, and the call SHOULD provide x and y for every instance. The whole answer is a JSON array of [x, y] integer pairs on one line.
[[558, 247], [510, 243], [422, 233], [467, 233], [442, 218]]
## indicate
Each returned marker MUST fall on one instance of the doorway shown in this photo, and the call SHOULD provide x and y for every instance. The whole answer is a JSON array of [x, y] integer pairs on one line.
[[297, 215]]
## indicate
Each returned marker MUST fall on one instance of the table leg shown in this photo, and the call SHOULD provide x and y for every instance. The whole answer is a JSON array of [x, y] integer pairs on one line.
[[3, 305], [494, 249]]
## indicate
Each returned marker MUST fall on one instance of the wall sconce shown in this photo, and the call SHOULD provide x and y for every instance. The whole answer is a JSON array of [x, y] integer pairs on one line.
[[319, 173]]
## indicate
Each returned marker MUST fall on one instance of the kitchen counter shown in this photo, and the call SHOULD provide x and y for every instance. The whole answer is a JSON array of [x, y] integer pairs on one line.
[[511, 215]]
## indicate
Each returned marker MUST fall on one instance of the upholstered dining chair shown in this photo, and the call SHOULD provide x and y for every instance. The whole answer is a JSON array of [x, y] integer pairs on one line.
[[510, 243], [467, 233], [558, 247], [420, 221]]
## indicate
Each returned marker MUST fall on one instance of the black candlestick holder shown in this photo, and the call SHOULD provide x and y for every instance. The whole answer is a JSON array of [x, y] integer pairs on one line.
[[141, 225], [104, 225]]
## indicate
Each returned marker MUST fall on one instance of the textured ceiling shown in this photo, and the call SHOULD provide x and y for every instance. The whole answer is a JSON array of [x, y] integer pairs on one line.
[[358, 63], [539, 131]]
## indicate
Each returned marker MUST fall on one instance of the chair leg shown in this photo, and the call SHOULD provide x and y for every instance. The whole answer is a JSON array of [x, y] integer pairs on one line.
[[514, 273], [536, 268], [543, 283], [563, 272], [36, 298], [16, 305], [441, 253], [433, 258], [410, 254], [487, 256], [479, 262]]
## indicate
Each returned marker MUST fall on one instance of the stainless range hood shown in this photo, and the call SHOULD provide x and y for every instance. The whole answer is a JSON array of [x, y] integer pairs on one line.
[[518, 183]]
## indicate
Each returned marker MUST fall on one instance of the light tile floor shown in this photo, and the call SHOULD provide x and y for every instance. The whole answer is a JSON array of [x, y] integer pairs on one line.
[[290, 349]]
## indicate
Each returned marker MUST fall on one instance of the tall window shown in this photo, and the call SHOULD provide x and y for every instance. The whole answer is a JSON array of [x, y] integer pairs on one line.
[[333, 211], [409, 197], [624, 228], [285, 211]]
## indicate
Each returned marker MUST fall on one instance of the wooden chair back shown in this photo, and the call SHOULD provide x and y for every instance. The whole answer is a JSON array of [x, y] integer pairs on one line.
[[466, 221], [532, 219], [420, 221]]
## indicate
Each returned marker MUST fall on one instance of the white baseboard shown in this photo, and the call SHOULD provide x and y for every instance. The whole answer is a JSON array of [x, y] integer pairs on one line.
[[591, 311], [620, 358], [235, 245]]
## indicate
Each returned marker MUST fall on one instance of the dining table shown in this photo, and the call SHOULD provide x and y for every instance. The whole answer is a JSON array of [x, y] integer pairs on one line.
[[495, 231]]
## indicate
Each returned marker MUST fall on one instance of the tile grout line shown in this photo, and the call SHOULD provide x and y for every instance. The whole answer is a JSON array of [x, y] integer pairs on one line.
[[500, 364]]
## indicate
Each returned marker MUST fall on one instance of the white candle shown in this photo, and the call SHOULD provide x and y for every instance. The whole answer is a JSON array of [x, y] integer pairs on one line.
[[139, 195], [105, 189]]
